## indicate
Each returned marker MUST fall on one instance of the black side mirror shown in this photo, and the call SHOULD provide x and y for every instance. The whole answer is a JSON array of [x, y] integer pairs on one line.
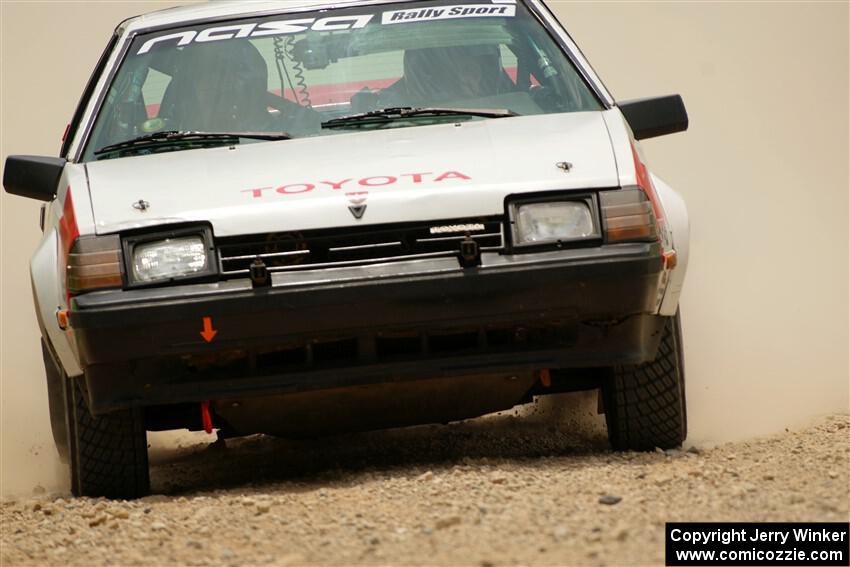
[[35, 177], [657, 116]]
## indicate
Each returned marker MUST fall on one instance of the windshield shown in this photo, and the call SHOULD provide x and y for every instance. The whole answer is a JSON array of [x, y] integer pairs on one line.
[[293, 73]]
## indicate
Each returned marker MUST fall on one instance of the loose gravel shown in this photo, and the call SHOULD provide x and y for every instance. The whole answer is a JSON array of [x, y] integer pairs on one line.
[[498, 491]]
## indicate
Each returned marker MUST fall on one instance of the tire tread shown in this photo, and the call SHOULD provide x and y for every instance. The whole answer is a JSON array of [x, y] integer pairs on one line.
[[645, 404], [110, 451]]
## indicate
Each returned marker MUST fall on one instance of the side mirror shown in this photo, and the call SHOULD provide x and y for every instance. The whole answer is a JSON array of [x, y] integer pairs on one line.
[[35, 177], [657, 116]]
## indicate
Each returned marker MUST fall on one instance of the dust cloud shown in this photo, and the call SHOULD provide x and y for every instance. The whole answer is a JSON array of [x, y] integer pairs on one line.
[[764, 170]]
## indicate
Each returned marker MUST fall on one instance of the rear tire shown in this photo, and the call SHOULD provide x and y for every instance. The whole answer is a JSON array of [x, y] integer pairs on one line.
[[109, 453], [645, 404]]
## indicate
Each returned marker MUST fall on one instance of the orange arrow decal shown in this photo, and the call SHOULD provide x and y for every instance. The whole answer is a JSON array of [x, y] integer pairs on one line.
[[208, 333]]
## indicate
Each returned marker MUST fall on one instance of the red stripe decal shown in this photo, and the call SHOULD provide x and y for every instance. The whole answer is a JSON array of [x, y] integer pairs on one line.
[[68, 233], [645, 182], [68, 230]]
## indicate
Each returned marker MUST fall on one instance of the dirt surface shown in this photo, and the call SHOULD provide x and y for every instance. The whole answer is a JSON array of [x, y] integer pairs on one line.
[[499, 491]]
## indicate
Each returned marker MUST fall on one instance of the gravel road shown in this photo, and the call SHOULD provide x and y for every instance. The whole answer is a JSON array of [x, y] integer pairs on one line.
[[497, 491]]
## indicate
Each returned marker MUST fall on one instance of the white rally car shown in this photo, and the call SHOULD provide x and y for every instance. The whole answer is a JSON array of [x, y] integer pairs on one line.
[[301, 218]]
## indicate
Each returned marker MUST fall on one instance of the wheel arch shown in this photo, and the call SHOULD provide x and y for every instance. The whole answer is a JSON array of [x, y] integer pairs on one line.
[[678, 225]]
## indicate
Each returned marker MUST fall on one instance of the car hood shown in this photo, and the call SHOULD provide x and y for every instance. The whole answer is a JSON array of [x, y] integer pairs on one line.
[[443, 171]]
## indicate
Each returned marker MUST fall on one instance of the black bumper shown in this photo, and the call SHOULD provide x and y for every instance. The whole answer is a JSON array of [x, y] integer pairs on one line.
[[348, 326]]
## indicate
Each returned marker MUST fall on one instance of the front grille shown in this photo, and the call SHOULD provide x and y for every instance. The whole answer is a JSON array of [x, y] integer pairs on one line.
[[312, 249], [389, 347]]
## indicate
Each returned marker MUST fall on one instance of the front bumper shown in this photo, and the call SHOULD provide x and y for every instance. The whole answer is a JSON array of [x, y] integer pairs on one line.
[[347, 326]]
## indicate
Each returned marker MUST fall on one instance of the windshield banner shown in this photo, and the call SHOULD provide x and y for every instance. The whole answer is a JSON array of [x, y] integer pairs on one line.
[[447, 13]]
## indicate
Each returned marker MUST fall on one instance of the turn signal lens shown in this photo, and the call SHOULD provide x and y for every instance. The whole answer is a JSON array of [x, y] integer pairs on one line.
[[627, 216], [94, 263]]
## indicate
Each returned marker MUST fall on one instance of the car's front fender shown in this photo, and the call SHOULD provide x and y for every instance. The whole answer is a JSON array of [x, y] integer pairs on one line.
[[47, 296], [48, 263], [676, 214]]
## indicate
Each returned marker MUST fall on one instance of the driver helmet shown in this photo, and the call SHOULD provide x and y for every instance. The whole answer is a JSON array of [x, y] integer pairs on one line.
[[448, 73], [221, 86]]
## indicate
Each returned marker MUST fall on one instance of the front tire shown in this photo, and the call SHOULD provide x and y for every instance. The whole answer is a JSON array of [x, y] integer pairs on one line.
[[109, 452], [645, 404]]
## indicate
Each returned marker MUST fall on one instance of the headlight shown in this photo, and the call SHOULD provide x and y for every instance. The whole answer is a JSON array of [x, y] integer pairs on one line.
[[553, 221], [179, 254], [169, 258]]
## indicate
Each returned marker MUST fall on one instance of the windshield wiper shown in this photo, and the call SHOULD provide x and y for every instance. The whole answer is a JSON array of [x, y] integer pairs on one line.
[[168, 136], [401, 112]]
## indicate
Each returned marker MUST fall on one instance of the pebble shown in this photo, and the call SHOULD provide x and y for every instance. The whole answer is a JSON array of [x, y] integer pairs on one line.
[[448, 522], [560, 532], [610, 500]]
